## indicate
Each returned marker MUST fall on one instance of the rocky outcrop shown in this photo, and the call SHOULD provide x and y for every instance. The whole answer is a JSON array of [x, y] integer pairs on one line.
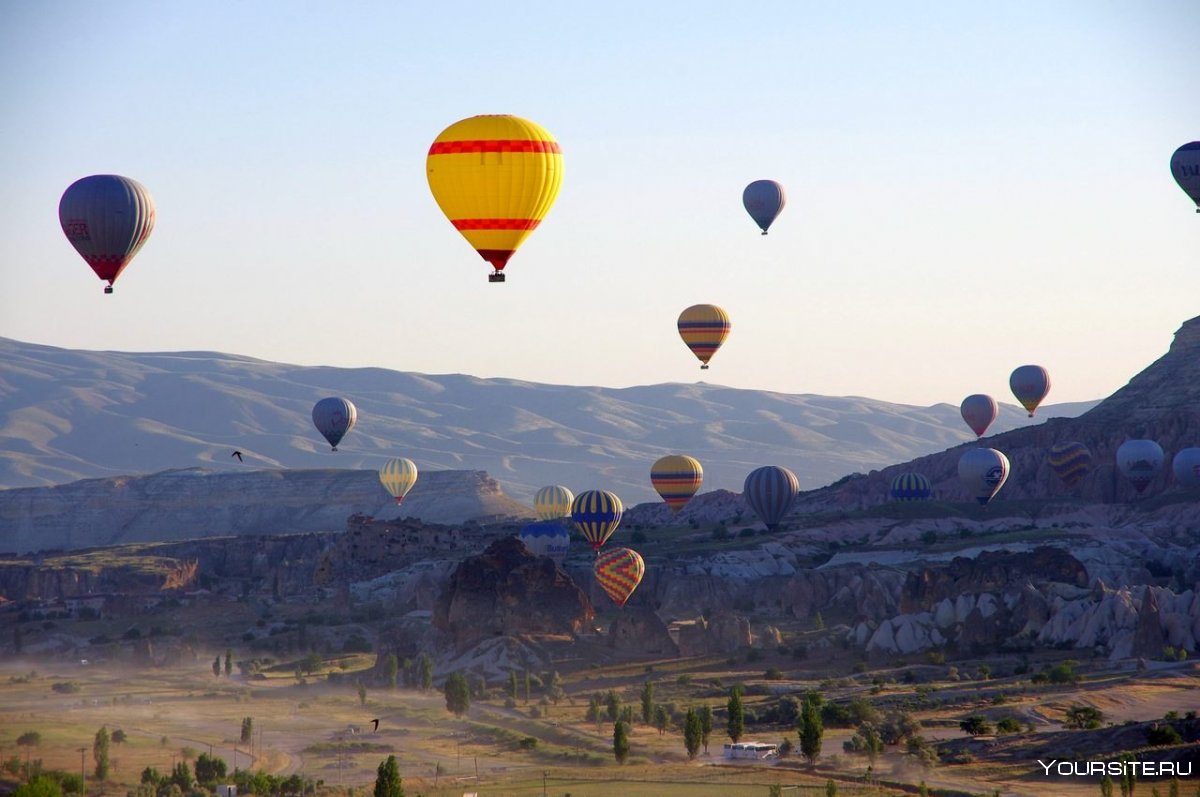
[[639, 632], [990, 571], [185, 504], [507, 591]]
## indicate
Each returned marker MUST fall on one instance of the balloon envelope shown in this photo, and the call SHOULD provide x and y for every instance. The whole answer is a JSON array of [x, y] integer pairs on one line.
[[983, 471], [618, 572], [764, 201], [596, 513], [704, 328], [334, 417], [676, 478], [1185, 167], [1071, 462], [911, 487], [978, 410], [495, 177], [1140, 461], [398, 477], [1186, 466], [553, 501], [769, 491], [107, 218], [1030, 384], [547, 538]]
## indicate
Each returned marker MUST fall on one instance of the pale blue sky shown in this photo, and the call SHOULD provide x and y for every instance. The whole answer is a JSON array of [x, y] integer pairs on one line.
[[971, 187]]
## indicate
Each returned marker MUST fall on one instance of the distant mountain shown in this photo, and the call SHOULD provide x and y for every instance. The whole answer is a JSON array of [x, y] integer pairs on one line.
[[68, 415]]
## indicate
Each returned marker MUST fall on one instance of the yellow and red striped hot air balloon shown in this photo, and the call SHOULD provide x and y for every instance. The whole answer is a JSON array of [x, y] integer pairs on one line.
[[495, 177], [676, 478], [398, 477], [704, 328], [618, 572]]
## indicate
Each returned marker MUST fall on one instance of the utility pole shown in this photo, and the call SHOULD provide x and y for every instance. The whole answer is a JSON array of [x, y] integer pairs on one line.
[[82, 766], [544, 773]]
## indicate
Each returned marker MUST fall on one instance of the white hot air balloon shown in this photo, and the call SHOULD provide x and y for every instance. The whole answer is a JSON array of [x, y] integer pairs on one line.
[[398, 477], [1186, 466], [983, 471], [1140, 461]]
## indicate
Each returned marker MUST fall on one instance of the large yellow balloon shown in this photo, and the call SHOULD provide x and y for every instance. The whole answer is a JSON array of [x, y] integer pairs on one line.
[[398, 477], [704, 328], [495, 178]]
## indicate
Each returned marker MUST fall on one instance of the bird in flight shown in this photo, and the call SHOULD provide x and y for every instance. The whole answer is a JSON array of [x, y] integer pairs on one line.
[[237, 454], [376, 728]]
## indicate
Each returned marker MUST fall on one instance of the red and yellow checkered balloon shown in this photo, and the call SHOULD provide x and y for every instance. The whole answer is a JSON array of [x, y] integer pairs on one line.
[[618, 572]]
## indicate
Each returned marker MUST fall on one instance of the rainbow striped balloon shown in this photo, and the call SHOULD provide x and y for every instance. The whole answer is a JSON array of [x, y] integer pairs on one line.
[[495, 177], [911, 487], [596, 513], [676, 478], [1071, 462], [618, 572], [704, 328]]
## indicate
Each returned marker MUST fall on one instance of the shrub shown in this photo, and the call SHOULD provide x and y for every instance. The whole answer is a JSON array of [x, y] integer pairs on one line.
[[1162, 734]]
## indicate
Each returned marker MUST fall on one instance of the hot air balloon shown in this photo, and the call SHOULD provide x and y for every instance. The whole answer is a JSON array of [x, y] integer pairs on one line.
[[546, 538], [1186, 466], [911, 487], [398, 477], [676, 478], [979, 410], [334, 417], [1185, 167], [1030, 384], [1140, 461], [769, 491], [1070, 462], [704, 328], [107, 218], [618, 572], [550, 503], [983, 471], [764, 200], [596, 513], [495, 177]]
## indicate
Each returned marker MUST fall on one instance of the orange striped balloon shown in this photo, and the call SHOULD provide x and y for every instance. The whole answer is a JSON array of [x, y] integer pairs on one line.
[[495, 177], [618, 572], [704, 328], [677, 478]]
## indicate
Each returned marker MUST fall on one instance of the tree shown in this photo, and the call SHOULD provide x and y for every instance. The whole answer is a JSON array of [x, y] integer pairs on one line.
[[736, 723], [391, 669], [647, 702], [612, 704], [527, 685], [976, 725], [692, 732], [247, 729], [458, 694], [387, 779], [118, 736], [210, 770], [29, 739], [811, 728], [181, 776], [100, 752], [1083, 718], [362, 694], [898, 726], [512, 685], [620, 742], [1128, 780], [217, 666], [311, 663], [1106, 786], [819, 622], [831, 788], [661, 719], [425, 665], [39, 786], [706, 726], [228, 662], [555, 690], [985, 672]]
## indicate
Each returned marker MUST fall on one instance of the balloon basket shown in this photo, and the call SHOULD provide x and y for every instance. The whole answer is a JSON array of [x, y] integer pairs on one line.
[[497, 277], [108, 289]]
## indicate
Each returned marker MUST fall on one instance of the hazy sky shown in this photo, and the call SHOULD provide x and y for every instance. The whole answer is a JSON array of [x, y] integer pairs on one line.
[[970, 186]]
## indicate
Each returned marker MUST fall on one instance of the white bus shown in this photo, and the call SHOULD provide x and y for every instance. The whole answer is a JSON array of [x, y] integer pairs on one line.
[[757, 750]]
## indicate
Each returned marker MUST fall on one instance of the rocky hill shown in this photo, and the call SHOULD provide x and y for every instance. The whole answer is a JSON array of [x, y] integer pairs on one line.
[[185, 504], [1161, 403]]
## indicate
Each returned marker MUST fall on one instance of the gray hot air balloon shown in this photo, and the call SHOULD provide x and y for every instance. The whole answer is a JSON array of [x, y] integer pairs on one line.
[[1186, 465], [764, 201], [1140, 461], [1185, 167], [769, 491], [983, 471], [107, 218], [978, 410], [334, 417]]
